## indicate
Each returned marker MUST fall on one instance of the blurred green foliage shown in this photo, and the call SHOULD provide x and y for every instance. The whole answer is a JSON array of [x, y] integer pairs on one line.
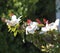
[[28, 8], [49, 40]]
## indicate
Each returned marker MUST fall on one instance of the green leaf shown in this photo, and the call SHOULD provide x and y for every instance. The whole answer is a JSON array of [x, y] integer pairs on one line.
[[15, 33]]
